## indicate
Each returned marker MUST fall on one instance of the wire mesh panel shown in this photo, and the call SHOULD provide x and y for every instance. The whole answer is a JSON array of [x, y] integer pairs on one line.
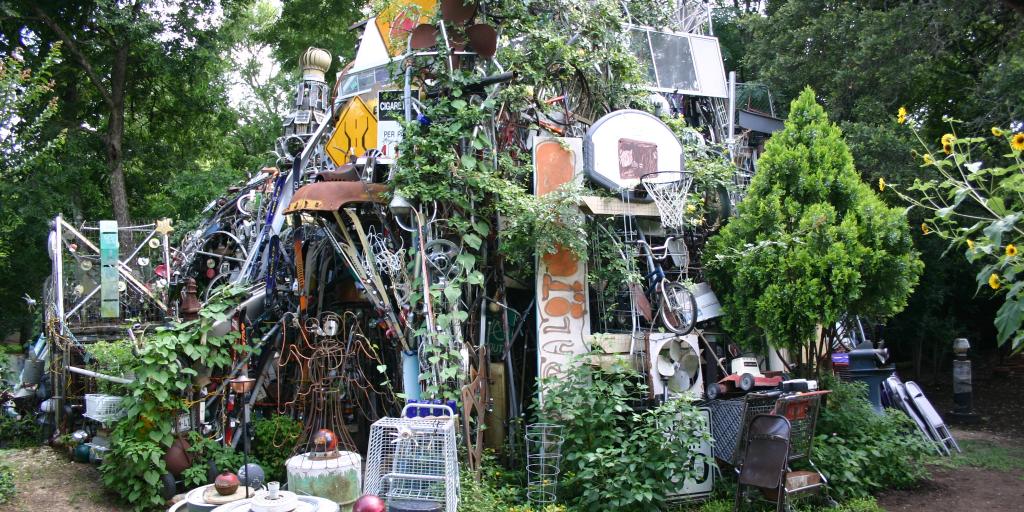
[[543, 462], [414, 460]]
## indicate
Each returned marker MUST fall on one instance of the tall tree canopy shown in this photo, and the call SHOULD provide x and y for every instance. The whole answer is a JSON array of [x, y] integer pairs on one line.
[[866, 59], [141, 106]]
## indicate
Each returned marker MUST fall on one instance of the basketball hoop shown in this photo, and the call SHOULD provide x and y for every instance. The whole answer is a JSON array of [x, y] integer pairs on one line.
[[669, 191]]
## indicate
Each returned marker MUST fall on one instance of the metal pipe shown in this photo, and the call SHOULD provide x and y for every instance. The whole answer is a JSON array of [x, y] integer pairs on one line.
[[58, 291], [731, 141], [407, 93], [95, 375]]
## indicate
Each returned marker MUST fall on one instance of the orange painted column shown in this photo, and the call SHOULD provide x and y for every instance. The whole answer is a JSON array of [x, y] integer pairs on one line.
[[563, 319]]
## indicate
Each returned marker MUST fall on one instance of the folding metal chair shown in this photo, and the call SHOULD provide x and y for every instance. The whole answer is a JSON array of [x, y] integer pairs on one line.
[[900, 399], [765, 458], [931, 417]]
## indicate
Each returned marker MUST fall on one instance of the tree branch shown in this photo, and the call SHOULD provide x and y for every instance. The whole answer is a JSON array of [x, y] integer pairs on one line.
[[79, 56]]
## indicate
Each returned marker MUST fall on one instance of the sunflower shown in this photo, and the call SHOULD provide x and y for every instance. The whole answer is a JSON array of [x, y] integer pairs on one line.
[[881, 184], [925, 229], [901, 115], [928, 159], [1011, 250], [997, 132], [949, 139], [947, 148], [1017, 141], [993, 281], [970, 244]]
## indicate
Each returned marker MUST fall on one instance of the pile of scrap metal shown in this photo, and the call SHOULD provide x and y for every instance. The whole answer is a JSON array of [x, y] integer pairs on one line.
[[337, 269]]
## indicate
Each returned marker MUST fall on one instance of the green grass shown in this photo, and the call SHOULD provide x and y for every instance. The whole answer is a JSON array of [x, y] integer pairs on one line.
[[723, 505], [985, 454]]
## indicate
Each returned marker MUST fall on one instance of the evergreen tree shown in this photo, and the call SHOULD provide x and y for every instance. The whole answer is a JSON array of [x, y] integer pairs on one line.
[[811, 240]]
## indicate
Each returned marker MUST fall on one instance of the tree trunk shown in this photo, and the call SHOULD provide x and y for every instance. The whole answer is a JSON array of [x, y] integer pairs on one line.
[[115, 137]]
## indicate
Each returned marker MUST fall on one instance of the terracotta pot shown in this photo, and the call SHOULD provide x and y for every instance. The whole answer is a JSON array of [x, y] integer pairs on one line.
[[177, 457], [226, 483]]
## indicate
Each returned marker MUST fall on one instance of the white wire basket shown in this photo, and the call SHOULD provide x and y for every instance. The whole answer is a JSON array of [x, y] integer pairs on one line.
[[103, 408], [414, 460]]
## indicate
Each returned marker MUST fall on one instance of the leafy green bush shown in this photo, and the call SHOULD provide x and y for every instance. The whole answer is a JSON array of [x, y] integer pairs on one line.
[[861, 452], [7, 489], [274, 439], [204, 450], [613, 457], [18, 433], [498, 490]]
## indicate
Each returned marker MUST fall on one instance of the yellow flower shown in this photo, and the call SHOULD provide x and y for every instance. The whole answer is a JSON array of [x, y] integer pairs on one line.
[[1017, 141], [881, 184], [948, 148], [1011, 250], [925, 229], [949, 139], [901, 115], [997, 132], [970, 244], [928, 159], [993, 281]]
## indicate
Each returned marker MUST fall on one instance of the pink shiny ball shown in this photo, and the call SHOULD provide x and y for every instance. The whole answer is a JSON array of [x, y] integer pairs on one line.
[[369, 503]]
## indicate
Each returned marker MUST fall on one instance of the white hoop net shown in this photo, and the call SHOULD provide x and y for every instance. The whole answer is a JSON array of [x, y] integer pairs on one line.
[[669, 190]]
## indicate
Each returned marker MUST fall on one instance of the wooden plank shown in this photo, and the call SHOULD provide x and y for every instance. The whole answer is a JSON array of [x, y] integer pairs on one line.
[[597, 205], [494, 436]]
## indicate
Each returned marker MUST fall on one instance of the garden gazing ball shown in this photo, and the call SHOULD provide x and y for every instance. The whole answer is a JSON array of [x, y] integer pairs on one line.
[[369, 503], [254, 473], [226, 483], [324, 441]]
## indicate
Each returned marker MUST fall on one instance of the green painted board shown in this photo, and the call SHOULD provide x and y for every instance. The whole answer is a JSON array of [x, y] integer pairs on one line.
[[110, 296]]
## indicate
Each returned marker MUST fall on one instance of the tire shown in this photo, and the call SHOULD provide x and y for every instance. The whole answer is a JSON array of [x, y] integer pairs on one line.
[[168, 487], [678, 307], [746, 382], [712, 391], [211, 471]]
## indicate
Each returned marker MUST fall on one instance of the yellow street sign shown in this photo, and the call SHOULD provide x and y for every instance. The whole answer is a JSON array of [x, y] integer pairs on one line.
[[355, 132], [399, 18]]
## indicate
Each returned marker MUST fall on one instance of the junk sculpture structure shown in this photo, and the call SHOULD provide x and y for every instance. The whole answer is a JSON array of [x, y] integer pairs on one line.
[[362, 282]]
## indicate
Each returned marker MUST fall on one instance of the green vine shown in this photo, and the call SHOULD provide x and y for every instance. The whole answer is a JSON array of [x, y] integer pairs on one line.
[[134, 465]]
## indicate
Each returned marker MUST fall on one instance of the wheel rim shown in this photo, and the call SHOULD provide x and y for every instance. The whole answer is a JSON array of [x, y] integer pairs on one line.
[[678, 307]]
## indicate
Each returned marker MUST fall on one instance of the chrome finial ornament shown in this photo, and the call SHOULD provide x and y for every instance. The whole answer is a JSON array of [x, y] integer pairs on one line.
[[315, 62]]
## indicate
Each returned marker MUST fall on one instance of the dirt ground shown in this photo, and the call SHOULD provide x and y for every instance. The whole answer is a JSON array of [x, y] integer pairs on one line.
[[47, 481], [988, 476]]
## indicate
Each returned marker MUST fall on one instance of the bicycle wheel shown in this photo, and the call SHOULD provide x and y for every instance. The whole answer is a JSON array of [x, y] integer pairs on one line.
[[678, 307]]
